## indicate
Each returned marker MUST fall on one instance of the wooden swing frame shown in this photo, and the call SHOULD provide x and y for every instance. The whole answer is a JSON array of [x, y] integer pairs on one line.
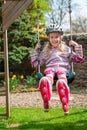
[[11, 9]]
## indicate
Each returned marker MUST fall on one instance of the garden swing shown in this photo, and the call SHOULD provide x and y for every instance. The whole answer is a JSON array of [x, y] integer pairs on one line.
[[70, 73]]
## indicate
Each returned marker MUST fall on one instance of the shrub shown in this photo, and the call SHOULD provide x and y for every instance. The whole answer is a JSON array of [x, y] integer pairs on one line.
[[30, 81]]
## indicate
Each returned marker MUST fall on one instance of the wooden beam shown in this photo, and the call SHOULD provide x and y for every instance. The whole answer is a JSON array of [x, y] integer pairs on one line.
[[11, 10]]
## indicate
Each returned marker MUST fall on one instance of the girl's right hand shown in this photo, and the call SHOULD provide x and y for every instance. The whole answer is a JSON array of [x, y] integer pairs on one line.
[[72, 43], [38, 46]]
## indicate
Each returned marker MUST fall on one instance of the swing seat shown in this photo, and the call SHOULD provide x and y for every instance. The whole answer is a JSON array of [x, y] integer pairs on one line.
[[70, 76], [39, 75]]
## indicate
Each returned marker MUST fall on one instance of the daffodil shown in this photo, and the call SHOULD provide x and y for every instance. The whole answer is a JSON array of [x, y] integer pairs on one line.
[[14, 76], [34, 29], [41, 24], [21, 77]]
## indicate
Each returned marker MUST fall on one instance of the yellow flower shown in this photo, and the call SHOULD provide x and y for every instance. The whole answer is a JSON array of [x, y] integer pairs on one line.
[[34, 29], [43, 36], [21, 77], [40, 30], [41, 24], [13, 77]]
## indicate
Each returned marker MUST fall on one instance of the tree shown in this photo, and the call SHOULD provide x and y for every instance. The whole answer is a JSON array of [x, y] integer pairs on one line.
[[80, 24], [58, 12], [39, 7]]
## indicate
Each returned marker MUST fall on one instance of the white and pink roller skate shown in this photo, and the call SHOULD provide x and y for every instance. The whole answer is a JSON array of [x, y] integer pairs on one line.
[[64, 94], [46, 92]]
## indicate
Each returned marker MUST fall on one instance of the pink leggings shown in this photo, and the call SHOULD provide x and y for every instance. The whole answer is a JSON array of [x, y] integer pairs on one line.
[[46, 83]]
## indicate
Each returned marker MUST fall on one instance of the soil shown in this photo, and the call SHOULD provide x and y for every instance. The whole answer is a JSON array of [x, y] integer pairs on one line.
[[33, 99]]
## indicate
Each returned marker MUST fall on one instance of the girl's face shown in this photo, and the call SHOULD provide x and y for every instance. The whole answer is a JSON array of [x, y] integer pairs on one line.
[[55, 39]]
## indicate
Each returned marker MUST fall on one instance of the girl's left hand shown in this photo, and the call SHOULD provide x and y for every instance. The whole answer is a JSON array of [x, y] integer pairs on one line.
[[38, 46], [72, 43]]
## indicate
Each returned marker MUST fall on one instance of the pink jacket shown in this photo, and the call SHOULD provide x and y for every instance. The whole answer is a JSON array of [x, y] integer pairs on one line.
[[57, 59]]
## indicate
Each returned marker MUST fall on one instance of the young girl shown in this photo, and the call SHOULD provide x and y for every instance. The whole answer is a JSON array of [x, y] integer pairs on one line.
[[56, 57]]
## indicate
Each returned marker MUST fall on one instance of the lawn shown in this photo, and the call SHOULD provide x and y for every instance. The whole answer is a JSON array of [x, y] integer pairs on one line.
[[37, 119]]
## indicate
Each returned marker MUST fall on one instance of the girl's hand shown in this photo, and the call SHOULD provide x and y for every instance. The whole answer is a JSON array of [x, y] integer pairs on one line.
[[38, 46], [72, 43]]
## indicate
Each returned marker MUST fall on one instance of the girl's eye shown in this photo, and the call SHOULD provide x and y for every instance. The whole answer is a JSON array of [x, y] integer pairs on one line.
[[51, 37]]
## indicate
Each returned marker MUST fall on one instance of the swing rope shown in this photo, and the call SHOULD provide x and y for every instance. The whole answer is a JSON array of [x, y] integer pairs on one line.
[[70, 21], [38, 34], [39, 74]]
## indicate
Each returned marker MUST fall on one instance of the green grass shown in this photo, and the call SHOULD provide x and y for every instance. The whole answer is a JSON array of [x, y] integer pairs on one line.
[[37, 119]]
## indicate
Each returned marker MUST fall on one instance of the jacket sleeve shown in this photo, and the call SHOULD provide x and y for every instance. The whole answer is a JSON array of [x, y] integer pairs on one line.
[[77, 56], [34, 58], [37, 58]]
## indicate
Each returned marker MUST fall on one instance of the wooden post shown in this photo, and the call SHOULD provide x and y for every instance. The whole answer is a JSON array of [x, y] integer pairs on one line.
[[6, 73], [4, 1]]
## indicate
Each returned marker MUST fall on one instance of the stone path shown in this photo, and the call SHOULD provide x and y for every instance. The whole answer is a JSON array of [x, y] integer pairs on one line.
[[33, 99]]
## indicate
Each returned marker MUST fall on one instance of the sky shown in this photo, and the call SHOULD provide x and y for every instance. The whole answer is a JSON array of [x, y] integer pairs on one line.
[[82, 7], [79, 8]]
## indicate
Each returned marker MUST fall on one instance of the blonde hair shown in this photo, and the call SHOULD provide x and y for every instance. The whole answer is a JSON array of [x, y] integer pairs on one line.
[[48, 48]]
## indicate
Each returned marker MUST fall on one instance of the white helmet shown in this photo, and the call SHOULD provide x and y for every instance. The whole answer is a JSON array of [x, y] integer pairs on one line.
[[53, 28]]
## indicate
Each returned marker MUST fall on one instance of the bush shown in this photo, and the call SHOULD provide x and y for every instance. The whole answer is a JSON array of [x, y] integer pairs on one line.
[[18, 54], [30, 81]]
